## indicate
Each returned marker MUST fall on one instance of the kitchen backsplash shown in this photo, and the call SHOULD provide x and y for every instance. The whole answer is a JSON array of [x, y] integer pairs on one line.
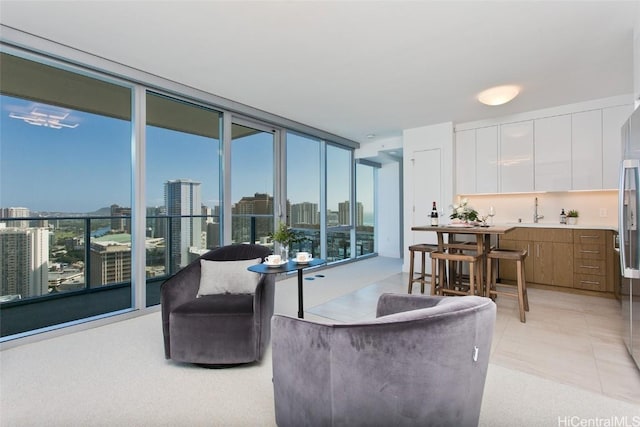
[[594, 207]]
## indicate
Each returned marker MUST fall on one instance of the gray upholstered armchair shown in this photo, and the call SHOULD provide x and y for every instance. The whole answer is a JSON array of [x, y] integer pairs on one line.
[[218, 328], [422, 362]]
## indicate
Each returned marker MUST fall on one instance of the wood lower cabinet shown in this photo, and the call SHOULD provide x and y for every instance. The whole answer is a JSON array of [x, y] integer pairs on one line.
[[550, 255], [564, 257], [594, 260]]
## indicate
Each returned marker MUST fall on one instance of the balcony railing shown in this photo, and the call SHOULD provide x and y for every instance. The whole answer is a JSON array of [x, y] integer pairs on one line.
[[53, 276]]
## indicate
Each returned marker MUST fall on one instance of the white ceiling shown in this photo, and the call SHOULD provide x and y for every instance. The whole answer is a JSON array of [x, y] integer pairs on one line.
[[355, 68]]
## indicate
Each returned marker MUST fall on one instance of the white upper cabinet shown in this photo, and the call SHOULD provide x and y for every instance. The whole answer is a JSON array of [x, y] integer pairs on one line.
[[516, 157], [477, 160], [553, 153], [487, 160], [586, 150], [612, 120], [466, 161], [572, 147]]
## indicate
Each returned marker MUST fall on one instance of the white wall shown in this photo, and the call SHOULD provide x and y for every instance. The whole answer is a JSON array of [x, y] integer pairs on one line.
[[389, 208], [636, 59], [438, 136]]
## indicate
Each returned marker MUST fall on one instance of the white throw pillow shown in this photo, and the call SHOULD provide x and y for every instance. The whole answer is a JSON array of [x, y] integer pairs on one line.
[[227, 277]]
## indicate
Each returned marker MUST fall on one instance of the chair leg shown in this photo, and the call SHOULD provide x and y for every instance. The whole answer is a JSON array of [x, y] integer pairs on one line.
[[473, 272], [487, 285], [410, 290], [434, 276], [524, 289], [423, 273], [521, 291]]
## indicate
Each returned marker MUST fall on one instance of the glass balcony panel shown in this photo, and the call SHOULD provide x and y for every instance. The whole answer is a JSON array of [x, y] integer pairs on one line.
[[338, 245]]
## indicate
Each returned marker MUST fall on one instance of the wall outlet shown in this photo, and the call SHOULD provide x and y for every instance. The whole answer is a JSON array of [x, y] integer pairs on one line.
[[603, 212]]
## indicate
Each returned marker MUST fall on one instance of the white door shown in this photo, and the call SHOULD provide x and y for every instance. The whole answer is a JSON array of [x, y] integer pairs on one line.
[[427, 188]]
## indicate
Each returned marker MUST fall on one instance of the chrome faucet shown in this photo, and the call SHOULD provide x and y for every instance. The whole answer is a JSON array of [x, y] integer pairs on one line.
[[536, 217]]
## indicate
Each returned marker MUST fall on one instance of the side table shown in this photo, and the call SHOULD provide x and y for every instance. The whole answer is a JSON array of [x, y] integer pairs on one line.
[[291, 265]]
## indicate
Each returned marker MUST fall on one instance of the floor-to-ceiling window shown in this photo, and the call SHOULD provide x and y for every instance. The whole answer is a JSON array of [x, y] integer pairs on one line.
[[65, 195], [339, 163], [182, 186], [365, 207], [76, 166], [304, 190], [252, 182]]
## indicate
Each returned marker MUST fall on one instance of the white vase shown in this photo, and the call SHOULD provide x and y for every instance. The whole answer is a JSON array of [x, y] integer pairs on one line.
[[572, 220]]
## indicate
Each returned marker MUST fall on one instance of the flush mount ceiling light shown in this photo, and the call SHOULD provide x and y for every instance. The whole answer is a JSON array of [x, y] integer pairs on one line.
[[50, 119], [498, 95]]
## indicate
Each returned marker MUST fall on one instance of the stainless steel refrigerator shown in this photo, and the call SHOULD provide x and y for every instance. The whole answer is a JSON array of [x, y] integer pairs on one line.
[[628, 210]]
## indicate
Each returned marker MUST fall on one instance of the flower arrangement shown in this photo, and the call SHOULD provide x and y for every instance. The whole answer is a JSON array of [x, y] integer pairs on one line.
[[286, 235], [463, 212]]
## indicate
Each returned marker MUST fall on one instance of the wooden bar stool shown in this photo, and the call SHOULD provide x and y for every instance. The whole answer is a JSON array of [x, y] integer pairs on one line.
[[423, 248], [521, 292], [439, 261], [455, 247]]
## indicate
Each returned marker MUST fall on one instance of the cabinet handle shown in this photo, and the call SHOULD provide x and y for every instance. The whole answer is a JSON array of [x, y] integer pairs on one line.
[[538, 250], [589, 282], [589, 252], [589, 237], [590, 266]]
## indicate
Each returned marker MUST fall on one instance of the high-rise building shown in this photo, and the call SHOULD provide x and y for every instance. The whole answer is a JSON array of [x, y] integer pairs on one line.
[[182, 200], [156, 226], [343, 213], [24, 261], [16, 213], [359, 214], [253, 211], [305, 213], [120, 219], [110, 263]]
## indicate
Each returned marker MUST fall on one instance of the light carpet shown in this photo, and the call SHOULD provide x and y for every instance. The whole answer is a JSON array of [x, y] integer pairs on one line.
[[116, 375]]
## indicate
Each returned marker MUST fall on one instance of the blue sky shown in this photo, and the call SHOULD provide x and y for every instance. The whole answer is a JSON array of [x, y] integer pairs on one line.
[[88, 167]]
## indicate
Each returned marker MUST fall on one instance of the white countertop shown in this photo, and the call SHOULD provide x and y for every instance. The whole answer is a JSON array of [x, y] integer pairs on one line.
[[558, 225]]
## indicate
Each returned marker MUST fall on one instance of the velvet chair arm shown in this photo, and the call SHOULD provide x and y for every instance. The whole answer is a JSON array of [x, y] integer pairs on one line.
[[301, 354], [175, 291], [263, 303]]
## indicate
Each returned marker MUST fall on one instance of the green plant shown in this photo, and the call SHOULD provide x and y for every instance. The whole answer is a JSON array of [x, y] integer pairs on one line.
[[572, 214], [463, 211], [286, 235]]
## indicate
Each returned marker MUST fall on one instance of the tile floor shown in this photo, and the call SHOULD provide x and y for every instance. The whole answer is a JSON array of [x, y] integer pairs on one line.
[[570, 339]]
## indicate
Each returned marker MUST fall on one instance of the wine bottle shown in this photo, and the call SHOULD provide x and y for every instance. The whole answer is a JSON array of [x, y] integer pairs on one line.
[[434, 215]]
